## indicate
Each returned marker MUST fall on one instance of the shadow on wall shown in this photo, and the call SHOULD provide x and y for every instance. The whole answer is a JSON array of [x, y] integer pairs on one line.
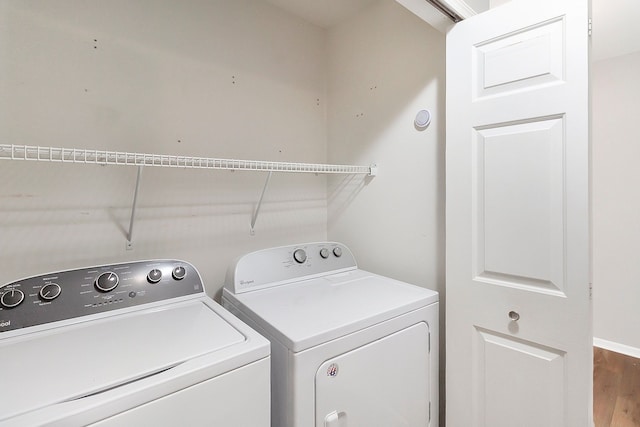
[[385, 64], [343, 191], [379, 78], [56, 216]]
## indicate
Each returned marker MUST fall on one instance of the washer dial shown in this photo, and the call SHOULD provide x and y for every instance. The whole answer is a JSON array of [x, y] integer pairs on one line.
[[154, 276], [12, 298], [337, 251], [324, 253], [107, 281], [50, 291], [179, 272]]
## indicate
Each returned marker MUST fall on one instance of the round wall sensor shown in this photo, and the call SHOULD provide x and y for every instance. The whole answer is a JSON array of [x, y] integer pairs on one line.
[[423, 118]]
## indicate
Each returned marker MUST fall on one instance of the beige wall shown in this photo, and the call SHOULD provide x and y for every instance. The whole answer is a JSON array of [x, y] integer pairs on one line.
[[616, 200], [220, 78], [237, 79], [379, 78]]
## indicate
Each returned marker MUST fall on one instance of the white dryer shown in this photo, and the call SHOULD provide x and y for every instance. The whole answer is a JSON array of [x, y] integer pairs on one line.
[[135, 344], [348, 347]]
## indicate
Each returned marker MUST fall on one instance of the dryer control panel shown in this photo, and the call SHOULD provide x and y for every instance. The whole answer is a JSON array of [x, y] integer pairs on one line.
[[286, 264], [71, 294]]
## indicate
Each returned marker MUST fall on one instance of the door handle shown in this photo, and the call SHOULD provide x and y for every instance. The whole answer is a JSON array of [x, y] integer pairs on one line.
[[331, 420], [336, 419]]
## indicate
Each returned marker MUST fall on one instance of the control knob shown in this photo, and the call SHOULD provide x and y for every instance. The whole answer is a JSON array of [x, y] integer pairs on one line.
[[12, 298], [50, 291], [300, 256], [324, 253], [154, 276], [107, 281], [337, 251], [179, 272]]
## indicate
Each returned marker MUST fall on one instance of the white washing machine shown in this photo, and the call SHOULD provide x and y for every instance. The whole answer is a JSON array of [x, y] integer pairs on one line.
[[348, 347], [135, 344]]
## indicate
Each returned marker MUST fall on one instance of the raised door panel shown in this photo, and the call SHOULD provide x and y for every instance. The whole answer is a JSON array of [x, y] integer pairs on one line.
[[520, 60], [518, 383], [519, 209]]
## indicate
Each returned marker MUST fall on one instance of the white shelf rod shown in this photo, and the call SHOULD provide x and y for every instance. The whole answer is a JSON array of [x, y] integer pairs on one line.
[[76, 155]]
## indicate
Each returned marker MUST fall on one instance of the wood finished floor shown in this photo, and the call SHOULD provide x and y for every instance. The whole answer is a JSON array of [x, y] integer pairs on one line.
[[616, 389]]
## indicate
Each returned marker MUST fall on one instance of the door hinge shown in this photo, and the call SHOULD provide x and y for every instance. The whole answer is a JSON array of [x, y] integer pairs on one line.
[[429, 411], [590, 27], [429, 342]]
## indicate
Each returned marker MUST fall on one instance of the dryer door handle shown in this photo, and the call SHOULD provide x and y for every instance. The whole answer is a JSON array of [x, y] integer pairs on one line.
[[336, 419]]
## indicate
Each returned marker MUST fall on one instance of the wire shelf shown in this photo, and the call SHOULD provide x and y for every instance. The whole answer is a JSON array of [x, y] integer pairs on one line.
[[76, 155]]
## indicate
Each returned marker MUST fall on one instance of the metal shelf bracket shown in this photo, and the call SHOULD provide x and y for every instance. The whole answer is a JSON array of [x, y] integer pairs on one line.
[[133, 210], [257, 209]]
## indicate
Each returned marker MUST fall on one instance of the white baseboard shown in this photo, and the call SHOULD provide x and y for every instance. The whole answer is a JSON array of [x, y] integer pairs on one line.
[[618, 348]]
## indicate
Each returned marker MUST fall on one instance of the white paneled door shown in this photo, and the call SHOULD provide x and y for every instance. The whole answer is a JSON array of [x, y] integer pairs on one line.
[[518, 321]]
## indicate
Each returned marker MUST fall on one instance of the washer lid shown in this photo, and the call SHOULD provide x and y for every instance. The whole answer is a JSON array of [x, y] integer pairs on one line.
[[71, 362], [304, 314]]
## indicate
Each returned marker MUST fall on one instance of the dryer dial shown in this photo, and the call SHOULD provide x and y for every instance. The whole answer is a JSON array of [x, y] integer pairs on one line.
[[300, 256]]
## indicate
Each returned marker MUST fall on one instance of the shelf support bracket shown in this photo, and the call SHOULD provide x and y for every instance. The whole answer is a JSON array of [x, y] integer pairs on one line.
[[257, 210], [133, 210]]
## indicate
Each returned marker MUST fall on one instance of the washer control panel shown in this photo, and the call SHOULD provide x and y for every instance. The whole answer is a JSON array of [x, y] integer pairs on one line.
[[74, 293], [286, 264]]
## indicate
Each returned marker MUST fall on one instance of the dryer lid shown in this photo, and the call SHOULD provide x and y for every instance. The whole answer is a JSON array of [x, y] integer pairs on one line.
[[71, 362], [304, 314]]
